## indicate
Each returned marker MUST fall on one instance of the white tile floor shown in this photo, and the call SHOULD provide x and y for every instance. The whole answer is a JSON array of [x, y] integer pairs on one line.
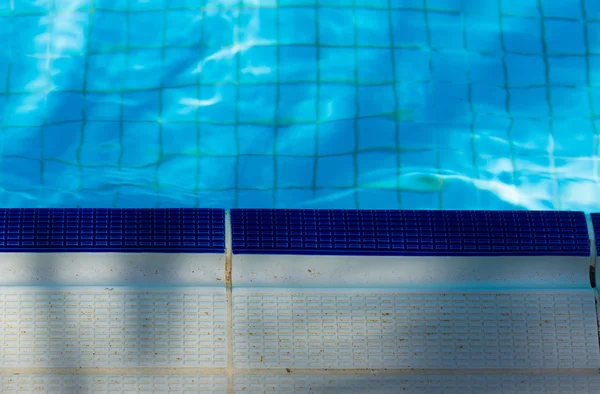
[[202, 332]]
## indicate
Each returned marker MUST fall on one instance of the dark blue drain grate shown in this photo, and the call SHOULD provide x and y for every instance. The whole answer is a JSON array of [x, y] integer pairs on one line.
[[422, 233], [118, 230]]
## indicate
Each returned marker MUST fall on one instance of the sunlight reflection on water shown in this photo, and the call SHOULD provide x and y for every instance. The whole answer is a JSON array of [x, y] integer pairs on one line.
[[216, 107]]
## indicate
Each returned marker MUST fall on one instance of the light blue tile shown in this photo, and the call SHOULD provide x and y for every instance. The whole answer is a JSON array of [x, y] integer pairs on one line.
[[293, 198], [144, 69], [562, 9], [593, 34], [565, 37], [492, 138], [62, 141], [257, 103], [136, 154], [103, 106], [298, 63], [296, 140], [297, 26], [522, 35], [336, 138], [337, 102], [183, 27], [483, 32], [337, 3], [117, 5], [573, 138], [412, 200], [525, 71], [70, 5], [266, 16], [100, 144], [71, 73], [449, 67], [61, 176], [180, 104], [595, 96], [217, 140], [222, 110], [182, 67], [24, 110], [412, 65], [6, 31], [19, 173], [30, 27], [373, 27], [256, 140], [592, 8], [101, 77], [449, 103], [594, 70], [417, 161], [417, 136], [177, 171], [332, 21], [375, 66], [488, 99], [569, 101], [180, 138], [457, 194], [22, 141], [25, 75], [486, 69], [520, 7], [378, 199], [217, 29], [409, 28], [567, 70], [145, 5], [129, 197], [295, 171], [530, 135], [529, 102], [257, 65], [109, 30], [292, 3], [255, 199], [419, 4], [455, 138], [384, 103], [297, 103], [461, 161], [377, 169], [32, 6], [335, 171], [372, 3], [141, 106], [256, 172], [61, 107], [337, 64], [446, 31], [217, 172], [329, 198], [446, 5]]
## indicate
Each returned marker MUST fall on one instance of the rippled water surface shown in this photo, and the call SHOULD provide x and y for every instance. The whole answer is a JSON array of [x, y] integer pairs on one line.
[[454, 104]]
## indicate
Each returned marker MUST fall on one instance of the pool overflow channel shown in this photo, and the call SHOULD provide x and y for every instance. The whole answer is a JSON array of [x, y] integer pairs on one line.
[[256, 298]]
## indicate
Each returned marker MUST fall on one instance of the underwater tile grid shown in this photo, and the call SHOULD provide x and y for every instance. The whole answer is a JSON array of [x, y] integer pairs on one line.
[[411, 104]]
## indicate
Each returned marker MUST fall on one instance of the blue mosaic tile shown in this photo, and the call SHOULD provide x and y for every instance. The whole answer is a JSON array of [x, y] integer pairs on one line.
[[184, 230], [405, 233]]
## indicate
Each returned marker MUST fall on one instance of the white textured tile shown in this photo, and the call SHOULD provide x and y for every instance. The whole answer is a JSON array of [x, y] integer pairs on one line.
[[113, 328], [361, 329]]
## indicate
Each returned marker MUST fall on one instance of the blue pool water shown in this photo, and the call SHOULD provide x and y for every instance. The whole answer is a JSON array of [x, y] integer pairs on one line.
[[413, 104]]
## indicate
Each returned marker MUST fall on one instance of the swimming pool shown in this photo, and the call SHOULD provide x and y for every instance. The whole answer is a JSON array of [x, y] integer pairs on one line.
[[410, 104]]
